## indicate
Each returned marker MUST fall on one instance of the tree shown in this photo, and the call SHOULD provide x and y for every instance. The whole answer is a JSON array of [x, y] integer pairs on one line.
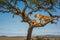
[[34, 5]]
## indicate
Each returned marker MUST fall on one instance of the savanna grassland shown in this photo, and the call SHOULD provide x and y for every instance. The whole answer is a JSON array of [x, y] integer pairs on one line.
[[37, 38], [12, 38]]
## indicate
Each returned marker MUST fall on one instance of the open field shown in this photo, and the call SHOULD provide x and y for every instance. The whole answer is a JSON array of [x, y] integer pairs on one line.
[[42, 38], [12, 38]]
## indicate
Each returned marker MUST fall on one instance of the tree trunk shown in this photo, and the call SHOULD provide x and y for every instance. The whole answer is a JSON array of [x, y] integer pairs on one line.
[[29, 33]]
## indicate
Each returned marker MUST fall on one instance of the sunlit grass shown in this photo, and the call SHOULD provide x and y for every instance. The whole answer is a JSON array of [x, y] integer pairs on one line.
[[36, 38]]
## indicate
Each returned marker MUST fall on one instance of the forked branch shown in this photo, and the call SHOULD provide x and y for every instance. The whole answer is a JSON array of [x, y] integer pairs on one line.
[[33, 11], [26, 5]]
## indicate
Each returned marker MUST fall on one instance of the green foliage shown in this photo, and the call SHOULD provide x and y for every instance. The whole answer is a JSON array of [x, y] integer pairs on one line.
[[41, 1], [35, 3], [2, 2], [12, 2]]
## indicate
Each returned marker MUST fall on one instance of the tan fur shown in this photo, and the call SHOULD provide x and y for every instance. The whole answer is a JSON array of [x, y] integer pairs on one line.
[[43, 18], [33, 22]]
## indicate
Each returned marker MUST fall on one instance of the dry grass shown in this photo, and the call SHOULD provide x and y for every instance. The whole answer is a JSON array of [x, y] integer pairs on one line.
[[32, 38], [12, 38]]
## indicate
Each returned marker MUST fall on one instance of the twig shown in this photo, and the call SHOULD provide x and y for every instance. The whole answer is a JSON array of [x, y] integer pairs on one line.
[[3, 11]]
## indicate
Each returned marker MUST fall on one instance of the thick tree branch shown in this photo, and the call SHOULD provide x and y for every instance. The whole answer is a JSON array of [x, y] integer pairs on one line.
[[24, 15]]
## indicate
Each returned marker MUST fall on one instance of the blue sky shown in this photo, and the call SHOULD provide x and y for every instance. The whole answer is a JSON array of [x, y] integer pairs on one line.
[[14, 27]]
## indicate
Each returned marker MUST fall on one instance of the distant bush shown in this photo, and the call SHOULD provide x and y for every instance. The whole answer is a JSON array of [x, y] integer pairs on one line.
[[38, 38]]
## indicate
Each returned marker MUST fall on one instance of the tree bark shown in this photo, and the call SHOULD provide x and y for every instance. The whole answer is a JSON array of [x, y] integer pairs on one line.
[[29, 32]]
